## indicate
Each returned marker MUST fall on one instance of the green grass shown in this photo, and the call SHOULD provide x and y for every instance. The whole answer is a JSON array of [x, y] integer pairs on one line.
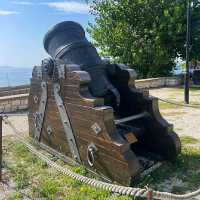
[[172, 113], [16, 196], [185, 169], [30, 173], [185, 140], [163, 106], [196, 88], [173, 93], [168, 106]]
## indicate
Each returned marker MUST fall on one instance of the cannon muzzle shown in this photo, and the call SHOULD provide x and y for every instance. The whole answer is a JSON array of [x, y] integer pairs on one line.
[[67, 41]]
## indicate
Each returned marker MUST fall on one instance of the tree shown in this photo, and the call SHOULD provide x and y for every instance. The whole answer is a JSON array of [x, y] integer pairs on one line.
[[145, 34], [195, 31]]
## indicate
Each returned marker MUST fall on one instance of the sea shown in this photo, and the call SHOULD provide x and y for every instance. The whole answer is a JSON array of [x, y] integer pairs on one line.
[[14, 76]]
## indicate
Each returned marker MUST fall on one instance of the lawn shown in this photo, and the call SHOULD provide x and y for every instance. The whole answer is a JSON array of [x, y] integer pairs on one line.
[[34, 179]]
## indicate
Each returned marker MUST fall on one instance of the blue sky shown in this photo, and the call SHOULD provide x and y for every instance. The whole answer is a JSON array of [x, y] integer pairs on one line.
[[23, 25]]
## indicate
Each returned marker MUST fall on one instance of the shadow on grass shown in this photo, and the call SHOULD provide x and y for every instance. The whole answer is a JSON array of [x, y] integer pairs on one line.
[[185, 170]]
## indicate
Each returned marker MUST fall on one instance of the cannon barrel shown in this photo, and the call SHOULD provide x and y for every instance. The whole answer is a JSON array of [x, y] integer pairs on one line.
[[67, 41]]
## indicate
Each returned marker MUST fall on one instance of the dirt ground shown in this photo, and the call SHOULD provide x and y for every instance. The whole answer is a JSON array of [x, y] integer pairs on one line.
[[186, 120], [20, 122]]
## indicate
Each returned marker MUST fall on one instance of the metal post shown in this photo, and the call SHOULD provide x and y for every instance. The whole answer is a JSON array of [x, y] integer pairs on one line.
[[187, 75], [1, 151]]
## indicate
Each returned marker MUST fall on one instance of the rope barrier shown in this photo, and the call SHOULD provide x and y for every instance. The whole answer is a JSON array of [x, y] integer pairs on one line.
[[197, 106], [123, 190], [12, 114]]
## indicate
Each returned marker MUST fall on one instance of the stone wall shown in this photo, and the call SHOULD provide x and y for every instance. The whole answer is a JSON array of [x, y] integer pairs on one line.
[[13, 99], [16, 98], [159, 82], [14, 103], [8, 91]]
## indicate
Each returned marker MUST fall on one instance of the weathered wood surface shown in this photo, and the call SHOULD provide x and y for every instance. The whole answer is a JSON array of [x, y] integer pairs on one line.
[[115, 156], [112, 157]]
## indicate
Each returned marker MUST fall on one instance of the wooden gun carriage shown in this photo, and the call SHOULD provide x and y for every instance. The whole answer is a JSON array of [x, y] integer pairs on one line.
[[89, 112]]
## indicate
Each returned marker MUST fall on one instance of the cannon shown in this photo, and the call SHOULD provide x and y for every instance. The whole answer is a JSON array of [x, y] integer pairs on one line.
[[89, 112]]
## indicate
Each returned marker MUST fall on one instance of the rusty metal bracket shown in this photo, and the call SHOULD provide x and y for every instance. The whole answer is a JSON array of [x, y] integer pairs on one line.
[[39, 116], [66, 123]]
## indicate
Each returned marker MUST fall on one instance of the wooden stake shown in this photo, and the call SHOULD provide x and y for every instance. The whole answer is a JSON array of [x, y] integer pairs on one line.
[[150, 195], [1, 151]]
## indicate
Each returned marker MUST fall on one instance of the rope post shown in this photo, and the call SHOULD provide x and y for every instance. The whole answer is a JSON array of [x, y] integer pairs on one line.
[[150, 194], [1, 151]]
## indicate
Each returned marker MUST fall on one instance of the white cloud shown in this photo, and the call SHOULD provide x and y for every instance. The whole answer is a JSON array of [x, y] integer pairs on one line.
[[69, 6], [7, 12], [25, 3]]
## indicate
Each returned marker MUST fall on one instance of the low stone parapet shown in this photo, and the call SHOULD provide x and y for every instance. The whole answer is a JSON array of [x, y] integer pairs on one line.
[[159, 82], [13, 103], [14, 90]]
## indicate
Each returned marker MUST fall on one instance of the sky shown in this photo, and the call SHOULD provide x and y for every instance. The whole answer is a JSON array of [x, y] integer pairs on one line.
[[23, 25]]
